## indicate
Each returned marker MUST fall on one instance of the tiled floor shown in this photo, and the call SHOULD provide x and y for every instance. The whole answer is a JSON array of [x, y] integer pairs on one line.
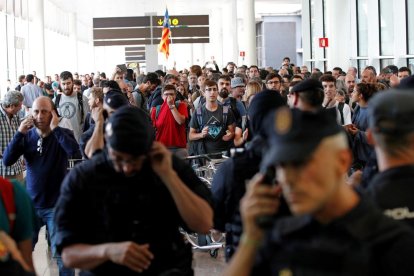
[[204, 264]]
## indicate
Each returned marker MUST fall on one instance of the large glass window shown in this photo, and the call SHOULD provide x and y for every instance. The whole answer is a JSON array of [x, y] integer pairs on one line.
[[362, 21], [386, 8], [385, 62], [410, 27], [410, 63], [312, 28], [362, 63]]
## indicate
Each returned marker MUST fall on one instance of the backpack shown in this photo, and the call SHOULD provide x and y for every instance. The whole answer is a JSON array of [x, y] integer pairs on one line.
[[341, 112], [197, 147], [200, 116], [7, 196], [143, 107], [232, 104], [80, 102]]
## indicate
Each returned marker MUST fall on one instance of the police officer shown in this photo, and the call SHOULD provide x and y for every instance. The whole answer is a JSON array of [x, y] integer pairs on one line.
[[228, 185], [120, 212], [306, 95], [392, 133], [333, 231]]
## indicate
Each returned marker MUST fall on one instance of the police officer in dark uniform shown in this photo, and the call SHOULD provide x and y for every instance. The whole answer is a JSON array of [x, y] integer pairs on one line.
[[120, 212], [334, 231], [392, 133], [228, 185]]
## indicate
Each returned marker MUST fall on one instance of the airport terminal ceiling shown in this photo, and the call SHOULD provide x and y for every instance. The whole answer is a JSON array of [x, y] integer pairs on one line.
[[86, 10]]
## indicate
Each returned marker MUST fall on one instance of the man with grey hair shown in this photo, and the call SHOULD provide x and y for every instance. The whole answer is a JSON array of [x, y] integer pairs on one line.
[[9, 123]]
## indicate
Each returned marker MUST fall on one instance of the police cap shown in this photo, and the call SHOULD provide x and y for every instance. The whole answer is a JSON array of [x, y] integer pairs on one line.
[[306, 85], [296, 134], [392, 112]]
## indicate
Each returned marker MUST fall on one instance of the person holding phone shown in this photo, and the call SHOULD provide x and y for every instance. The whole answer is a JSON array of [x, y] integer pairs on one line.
[[46, 148], [334, 230], [120, 212]]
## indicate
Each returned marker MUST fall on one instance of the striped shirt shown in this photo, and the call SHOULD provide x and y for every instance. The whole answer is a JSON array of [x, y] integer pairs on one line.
[[8, 128]]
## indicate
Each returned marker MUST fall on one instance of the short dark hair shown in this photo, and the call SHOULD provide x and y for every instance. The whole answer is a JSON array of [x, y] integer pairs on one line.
[[327, 78], [77, 82], [169, 87], [405, 69], [29, 77], [113, 85], [152, 78], [224, 77], [65, 75], [272, 76], [210, 83]]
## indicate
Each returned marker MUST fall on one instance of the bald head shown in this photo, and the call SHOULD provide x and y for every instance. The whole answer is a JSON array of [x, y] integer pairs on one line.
[[42, 113]]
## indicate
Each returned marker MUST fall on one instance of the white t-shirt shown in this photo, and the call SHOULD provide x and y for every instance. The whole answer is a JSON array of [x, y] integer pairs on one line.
[[69, 108], [346, 112]]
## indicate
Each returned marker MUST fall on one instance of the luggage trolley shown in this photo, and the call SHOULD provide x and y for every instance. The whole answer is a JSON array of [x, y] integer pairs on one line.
[[205, 167]]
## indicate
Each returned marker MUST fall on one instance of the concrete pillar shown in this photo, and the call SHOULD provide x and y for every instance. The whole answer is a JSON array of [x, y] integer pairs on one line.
[[151, 57], [373, 34], [73, 40], [306, 33], [400, 38], [36, 43], [230, 38], [338, 32], [249, 33]]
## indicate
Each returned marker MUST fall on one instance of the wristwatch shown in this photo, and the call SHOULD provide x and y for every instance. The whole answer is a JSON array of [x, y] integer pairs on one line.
[[172, 106]]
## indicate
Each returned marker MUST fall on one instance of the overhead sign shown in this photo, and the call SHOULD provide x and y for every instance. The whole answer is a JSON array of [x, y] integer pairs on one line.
[[144, 30], [323, 42]]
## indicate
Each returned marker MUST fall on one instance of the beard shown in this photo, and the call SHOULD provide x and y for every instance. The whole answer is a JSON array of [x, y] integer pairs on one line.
[[224, 93]]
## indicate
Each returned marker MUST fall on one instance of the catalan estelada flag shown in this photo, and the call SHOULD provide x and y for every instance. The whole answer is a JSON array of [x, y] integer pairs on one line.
[[164, 46]]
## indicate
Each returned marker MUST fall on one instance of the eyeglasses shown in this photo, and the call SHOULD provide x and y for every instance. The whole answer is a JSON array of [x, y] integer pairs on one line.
[[40, 146], [169, 94], [273, 82], [211, 89]]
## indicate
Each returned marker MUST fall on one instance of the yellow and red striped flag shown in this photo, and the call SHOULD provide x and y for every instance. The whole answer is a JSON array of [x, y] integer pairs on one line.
[[164, 46]]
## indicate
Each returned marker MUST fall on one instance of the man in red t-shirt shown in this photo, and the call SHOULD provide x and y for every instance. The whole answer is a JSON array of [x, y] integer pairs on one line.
[[169, 121]]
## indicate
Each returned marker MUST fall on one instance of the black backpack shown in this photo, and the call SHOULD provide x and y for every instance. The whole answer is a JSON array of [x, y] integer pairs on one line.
[[233, 106], [80, 103]]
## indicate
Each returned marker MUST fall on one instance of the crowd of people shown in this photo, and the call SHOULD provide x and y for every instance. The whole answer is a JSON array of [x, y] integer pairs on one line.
[[319, 185]]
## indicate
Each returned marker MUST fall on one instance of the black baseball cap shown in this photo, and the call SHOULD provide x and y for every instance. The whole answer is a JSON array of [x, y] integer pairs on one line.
[[294, 134], [392, 112], [129, 131], [307, 85]]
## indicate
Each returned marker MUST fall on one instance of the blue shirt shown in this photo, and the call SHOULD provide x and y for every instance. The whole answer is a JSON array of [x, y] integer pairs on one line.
[[45, 171]]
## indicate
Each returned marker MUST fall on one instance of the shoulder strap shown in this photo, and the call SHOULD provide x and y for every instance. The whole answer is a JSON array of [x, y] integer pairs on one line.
[[225, 112], [80, 102], [57, 100], [142, 99], [7, 195], [157, 111], [199, 117]]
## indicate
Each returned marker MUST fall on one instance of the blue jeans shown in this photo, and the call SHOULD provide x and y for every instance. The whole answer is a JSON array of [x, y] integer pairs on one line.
[[46, 217]]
